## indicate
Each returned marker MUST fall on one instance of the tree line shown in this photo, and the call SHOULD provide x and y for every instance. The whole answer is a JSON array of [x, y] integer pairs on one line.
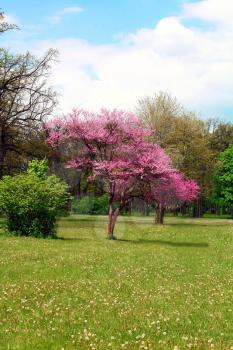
[[194, 144]]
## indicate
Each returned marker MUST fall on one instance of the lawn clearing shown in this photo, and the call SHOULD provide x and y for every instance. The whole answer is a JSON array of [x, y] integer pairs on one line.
[[167, 287]]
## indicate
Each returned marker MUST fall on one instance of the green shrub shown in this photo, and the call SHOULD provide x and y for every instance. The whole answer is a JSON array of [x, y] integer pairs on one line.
[[39, 168], [91, 205], [32, 203]]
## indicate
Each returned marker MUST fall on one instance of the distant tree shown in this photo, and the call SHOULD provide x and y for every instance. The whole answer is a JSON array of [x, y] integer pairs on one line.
[[25, 99], [169, 191], [224, 179], [112, 146], [160, 113], [185, 138], [220, 135], [196, 159], [32, 146]]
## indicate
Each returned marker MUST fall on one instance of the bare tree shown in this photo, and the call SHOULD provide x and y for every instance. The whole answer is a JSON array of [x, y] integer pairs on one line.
[[25, 99]]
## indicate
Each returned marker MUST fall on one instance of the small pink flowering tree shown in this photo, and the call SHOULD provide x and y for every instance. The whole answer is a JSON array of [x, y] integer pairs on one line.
[[112, 146], [170, 190]]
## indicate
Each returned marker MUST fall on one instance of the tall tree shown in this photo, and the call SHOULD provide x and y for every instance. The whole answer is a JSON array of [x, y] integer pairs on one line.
[[25, 99], [186, 142], [160, 113]]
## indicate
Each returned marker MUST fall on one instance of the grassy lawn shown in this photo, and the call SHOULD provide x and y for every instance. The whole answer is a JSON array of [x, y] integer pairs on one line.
[[165, 287]]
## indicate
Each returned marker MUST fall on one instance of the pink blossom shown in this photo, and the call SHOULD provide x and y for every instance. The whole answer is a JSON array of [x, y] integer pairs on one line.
[[114, 146]]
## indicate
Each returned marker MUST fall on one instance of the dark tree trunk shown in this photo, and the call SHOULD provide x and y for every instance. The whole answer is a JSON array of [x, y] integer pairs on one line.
[[2, 152], [1, 163], [218, 209], [159, 214], [176, 211], [78, 189], [198, 209], [231, 212], [145, 211], [2, 158], [130, 207], [183, 209]]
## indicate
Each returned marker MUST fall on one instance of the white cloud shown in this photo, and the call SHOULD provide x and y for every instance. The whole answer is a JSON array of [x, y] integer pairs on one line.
[[66, 11], [11, 19], [217, 11], [194, 64]]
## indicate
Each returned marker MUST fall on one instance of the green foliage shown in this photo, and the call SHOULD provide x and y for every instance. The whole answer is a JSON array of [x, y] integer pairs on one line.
[[38, 167], [32, 203], [91, 205], [224, 178]]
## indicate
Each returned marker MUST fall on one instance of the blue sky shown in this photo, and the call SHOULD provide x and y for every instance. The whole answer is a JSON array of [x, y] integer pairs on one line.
[[114, 52], [99, 22]]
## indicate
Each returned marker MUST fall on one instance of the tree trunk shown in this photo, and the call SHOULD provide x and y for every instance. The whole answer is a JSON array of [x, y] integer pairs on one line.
[[2, 157], [175, 211], [198, 208], [183, 209], [159, 214], [78, 189], [2, 152], [112, 218], [4, 148], [218, 209], [145, 209], [115, 216], [130, 207], [231, 212]]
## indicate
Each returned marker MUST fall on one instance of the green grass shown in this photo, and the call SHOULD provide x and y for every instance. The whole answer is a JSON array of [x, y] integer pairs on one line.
[[165, 287]]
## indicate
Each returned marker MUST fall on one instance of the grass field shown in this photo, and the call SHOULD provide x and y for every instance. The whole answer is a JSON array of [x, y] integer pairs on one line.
[[165, 287]]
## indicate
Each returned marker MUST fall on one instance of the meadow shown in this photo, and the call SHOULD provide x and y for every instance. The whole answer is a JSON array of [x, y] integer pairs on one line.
[[156, 287]]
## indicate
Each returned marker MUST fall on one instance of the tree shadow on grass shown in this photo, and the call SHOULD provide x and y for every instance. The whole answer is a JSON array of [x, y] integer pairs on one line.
[[180, 224], [61, 238], [88, 219], [194, 224], [168, 243]]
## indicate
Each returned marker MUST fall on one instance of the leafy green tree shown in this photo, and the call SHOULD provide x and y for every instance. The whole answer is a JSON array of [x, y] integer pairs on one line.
[[224, 179], [185, 139], [33, 201]]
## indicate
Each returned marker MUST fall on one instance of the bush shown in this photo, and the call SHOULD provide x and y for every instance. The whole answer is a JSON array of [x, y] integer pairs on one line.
[[32, 203], [91, 205]]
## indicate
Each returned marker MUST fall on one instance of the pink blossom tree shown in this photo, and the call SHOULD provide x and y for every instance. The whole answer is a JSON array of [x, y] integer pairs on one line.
[[112, 146], [170, 190]]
